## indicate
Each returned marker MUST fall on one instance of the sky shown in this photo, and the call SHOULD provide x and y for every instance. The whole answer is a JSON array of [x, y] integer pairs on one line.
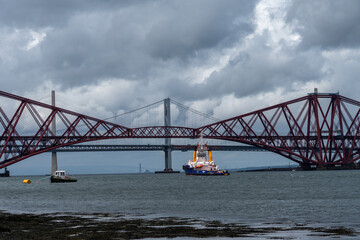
[[221, 57]]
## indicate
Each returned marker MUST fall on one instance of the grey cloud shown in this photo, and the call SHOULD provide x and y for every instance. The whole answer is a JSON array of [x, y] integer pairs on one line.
[[134, 42], [254, 71], [42, 13], [326, 24], [191, 26]]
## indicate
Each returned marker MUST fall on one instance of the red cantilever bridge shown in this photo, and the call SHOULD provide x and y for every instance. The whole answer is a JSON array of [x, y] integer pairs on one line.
[[320, 130]]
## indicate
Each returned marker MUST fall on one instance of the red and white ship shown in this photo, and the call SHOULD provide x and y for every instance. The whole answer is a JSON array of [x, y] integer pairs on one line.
[[202, 162]]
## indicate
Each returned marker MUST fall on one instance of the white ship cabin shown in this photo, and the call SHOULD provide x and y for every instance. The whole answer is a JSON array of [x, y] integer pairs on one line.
[[60, 173]]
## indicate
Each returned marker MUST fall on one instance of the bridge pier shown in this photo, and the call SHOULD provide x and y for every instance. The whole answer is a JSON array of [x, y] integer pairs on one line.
[[168, 162]]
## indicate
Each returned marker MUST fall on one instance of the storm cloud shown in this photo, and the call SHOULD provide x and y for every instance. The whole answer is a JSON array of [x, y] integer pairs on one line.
[[126, 54], [326, 24]]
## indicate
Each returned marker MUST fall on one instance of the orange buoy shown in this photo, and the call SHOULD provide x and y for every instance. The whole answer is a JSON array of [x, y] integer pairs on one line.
[[27, 181]]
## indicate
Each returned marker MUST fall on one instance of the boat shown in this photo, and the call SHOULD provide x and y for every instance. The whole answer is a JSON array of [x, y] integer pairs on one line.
[[201, 164], [61, 176]]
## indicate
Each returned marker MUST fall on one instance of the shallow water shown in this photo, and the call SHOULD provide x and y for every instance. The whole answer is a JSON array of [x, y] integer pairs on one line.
[[316, 198]]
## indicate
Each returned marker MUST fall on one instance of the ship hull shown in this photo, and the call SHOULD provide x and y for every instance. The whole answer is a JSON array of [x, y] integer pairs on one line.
[[55, 179], [193, 171]]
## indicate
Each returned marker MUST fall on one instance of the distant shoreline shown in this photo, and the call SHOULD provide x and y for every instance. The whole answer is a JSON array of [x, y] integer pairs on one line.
[[271, 169], [279, 169]]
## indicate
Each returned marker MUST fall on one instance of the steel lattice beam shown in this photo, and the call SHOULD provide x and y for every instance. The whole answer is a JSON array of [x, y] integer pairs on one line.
[[77, 128], [323, 132]]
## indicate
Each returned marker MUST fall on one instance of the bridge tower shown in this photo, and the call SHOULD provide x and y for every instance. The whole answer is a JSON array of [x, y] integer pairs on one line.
[[167, 145], [167, 121]]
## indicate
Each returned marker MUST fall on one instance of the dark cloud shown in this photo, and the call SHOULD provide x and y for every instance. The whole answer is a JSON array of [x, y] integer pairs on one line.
[[265, 73], [43, 13], [326, 24], [158, 45], [152, 43], [135, 41], [259, 69], [190, 26]]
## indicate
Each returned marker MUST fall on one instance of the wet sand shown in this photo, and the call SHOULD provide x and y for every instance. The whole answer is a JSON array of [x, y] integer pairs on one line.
[[106, 226]]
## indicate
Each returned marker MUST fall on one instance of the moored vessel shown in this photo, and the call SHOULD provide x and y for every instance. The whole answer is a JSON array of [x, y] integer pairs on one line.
[[61, 176], [201, 164]]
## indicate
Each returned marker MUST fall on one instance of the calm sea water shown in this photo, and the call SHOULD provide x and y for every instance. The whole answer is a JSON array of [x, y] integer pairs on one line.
[[315, 198]]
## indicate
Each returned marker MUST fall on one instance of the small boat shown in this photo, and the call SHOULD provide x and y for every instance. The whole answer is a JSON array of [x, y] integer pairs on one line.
[[200, 164], [61, 176]]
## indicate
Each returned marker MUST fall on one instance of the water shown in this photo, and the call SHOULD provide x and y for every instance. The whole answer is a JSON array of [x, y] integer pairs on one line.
[[315, 198]]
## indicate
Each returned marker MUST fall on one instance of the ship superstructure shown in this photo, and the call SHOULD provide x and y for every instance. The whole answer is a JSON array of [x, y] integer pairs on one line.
[[202, 162]]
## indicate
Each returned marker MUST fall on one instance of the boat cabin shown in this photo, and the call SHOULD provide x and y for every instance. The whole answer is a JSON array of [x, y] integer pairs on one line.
[[60, 173]]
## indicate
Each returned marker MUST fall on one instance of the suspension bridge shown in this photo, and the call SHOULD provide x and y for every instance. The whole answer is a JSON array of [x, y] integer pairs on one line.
[[319, 130]]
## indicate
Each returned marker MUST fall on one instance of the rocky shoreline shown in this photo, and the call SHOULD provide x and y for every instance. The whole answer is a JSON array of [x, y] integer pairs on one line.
[[112, 226]]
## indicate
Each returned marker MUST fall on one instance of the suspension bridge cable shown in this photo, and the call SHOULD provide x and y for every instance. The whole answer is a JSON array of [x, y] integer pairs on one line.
[[195, 111], [115, 116], [134, 110], [161, 101]]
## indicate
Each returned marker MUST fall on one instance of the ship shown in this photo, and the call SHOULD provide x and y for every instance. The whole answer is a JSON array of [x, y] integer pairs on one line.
[[61, 176], [201, 164]]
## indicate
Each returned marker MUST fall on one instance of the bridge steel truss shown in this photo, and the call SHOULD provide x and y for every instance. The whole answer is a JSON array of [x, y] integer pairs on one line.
[[319, 130]]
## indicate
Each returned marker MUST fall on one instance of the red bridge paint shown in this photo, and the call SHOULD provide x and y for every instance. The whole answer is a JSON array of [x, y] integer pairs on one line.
[[315, 130]]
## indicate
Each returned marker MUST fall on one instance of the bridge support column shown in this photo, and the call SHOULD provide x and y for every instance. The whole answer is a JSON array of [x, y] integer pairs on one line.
[[53, 128], [167, 149], [168, 166], [167, 121]]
